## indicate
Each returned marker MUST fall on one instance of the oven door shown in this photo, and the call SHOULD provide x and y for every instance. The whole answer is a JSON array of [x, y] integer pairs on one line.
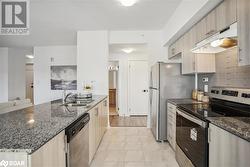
[[191, 137]]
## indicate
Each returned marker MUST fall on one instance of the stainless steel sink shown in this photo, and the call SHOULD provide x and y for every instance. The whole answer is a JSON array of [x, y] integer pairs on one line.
[[73, 104]]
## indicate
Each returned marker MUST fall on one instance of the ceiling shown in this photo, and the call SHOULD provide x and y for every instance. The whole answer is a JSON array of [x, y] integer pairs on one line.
[[139, 49], [55, 22]]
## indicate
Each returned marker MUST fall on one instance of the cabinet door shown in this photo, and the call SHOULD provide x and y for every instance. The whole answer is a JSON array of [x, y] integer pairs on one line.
[[97, 126], [205, 63], [226, 149], [226, 14], [211, 27], [171, 50], [92, 137], [188, 66], [243, 14], [201, 30], [51, 154]]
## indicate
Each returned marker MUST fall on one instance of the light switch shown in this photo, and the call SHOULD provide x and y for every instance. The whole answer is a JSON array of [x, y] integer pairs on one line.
[[206, 88]]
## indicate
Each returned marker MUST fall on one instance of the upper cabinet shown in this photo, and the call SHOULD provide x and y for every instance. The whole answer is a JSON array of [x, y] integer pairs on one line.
[[195, 63], [176, 48], [206, 27], [243, 19], [211, 27], [226, 14]]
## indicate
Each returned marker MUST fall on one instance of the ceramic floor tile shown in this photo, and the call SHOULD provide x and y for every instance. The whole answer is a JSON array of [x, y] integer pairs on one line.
[[116, 146], [133, 147], [134, 156], [136, 164], [115, 156]]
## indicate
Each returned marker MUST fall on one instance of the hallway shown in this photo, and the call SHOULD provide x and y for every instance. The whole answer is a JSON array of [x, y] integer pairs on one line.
[[132, 147]]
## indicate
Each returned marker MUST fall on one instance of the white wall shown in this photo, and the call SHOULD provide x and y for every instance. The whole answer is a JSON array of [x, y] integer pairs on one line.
[[153, 40], [62, 55], [3, 74], [92, 60], [123, 60], [16, 72]]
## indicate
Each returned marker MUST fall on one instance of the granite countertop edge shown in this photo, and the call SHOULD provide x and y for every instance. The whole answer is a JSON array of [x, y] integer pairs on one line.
[[233, 125], [35, 147]]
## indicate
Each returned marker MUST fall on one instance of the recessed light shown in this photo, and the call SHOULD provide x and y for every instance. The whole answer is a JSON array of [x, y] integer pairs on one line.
[[128, 2], [30, 56], [128, 50]]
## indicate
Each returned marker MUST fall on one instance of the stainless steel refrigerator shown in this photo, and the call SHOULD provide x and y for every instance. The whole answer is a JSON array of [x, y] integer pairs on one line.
[[166, 83]]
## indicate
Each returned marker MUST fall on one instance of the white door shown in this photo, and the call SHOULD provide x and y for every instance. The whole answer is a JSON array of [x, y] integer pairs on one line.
[[138, 103], [29, 82]]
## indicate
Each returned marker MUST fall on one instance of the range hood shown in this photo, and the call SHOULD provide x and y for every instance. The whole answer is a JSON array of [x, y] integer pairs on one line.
[[219, 42]]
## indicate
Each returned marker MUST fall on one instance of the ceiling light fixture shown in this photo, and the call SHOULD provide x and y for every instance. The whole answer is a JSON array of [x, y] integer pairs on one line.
[[128, 50], [30, 56], [127, 3]]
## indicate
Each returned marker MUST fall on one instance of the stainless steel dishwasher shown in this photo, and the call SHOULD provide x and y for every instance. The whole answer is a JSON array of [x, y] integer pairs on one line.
[[77, 134]]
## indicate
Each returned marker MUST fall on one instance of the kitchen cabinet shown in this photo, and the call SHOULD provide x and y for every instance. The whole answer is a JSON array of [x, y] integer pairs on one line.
[[243, 19], [97, 126], [176, 48], [201, 31], [50, 154], [226, 149], [211, 27], [206, 27], [171, 122], [226, 14], [188, 57], [195, 63]]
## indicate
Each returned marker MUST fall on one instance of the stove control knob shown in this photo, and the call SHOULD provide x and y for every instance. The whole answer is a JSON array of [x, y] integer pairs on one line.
[[245, 95]]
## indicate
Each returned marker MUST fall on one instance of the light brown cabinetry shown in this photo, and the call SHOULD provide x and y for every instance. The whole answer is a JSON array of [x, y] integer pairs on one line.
[[211, 27], [195, 63], [206, 27], [243, 18], [51, 154], [171, 128], [188, 57], [226, 14], [175, 48], [97, 126]]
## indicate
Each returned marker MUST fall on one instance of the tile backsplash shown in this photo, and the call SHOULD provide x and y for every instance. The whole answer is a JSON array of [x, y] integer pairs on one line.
[[228, 73]]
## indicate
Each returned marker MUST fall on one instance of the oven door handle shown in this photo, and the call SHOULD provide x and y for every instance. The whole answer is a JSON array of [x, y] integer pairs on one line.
[[192, 118]]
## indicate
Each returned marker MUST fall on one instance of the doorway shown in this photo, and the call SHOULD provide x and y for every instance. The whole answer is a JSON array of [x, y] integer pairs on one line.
[[29, 82], [138, 86], [113, 88]]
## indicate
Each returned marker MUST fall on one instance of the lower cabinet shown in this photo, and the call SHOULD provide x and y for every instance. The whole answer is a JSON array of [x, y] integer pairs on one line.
[[51, 154], [97, 126], [226, 149], [171, 125]]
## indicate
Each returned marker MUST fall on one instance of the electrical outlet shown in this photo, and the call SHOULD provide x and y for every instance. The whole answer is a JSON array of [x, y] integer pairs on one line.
[[205, 79]]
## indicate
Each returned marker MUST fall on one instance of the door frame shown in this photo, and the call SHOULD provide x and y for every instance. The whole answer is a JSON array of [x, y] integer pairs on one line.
[[117, 85], [128, 90]]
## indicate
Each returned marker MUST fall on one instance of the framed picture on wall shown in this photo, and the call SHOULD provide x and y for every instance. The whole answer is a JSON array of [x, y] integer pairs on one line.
[[64, 77]]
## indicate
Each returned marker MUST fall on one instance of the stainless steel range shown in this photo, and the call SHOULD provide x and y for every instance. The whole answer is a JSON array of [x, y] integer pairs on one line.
[[192, 122]]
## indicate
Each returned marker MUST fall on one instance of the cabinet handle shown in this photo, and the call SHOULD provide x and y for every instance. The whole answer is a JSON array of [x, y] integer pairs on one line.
[[210, 32], [96, 112]]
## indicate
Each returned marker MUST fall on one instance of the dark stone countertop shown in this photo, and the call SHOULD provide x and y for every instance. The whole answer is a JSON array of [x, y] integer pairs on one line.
[[182, 101], [239, 126], [30, 128]]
